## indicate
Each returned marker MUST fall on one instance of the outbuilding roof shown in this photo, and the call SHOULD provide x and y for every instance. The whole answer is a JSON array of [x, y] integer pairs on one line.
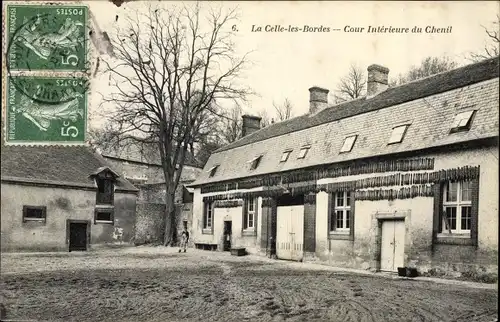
[[429, 107], [59, 165]]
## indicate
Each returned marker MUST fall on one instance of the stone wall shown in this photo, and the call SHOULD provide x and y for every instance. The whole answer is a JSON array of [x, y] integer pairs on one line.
[[150, 223]]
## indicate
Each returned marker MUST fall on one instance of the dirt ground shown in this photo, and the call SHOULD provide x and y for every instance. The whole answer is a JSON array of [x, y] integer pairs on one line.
[[159, 284]]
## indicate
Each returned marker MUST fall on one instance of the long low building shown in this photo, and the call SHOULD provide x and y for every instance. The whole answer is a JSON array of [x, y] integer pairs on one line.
[[57, 198], [404, 177]]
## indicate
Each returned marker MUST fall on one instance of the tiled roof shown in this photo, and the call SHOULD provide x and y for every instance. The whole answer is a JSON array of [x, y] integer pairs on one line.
[[70, 165], [439, 83], [429, 105]]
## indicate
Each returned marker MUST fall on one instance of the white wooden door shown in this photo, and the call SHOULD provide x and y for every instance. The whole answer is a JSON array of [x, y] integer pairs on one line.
[[290, 232], [392, 245]]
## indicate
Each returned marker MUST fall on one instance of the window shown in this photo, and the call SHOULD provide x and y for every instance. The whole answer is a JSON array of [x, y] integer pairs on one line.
[[212, 171], [398, 134], [249, 214], [208, 215], [456, 212], [285, 155], [34, 213], [462, 121], [340, 220], [303, 152], [254, 163], [457, 208], [104, 216], [105, 191], [348, 143]]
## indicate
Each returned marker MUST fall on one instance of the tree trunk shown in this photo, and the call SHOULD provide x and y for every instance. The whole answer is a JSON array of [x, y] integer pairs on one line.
[[170, 228]]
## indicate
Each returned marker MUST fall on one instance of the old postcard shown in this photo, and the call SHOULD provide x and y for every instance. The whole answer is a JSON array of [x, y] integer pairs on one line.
[[250, 161]]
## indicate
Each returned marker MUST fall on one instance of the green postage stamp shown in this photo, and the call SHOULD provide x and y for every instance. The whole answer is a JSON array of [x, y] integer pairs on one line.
[[46, 110], [46, 37]]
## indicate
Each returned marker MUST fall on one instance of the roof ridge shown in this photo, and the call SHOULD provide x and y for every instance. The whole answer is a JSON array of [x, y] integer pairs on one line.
[[474, 73], [444, 72]]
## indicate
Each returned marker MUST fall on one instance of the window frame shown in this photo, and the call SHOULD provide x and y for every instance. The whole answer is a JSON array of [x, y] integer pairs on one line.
[[246, 229], [247, 213], [103, 200], [406, 126], [213, 170], [285, 155], [110, 210], [208, 208], [466, 127], [355, 138], [458, 204], [26, 208], [333, 207], [303, 152], [254, 163], [454, 238]]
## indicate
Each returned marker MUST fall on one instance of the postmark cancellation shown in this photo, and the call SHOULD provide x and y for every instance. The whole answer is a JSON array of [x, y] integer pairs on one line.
[[45, 74]]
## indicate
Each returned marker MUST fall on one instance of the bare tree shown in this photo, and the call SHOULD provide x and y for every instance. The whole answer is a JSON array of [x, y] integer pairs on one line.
[[492, 48], [174, 65], [265, 120], [283, 111], [428, 66], [231, 125], [351, 86]]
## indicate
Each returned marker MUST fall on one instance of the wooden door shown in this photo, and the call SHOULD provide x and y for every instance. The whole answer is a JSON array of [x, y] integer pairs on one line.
[[392, 245], [77, 236], [290, 232], [227, 235]]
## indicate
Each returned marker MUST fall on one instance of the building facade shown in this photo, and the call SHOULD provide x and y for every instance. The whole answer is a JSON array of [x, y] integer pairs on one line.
[[141, 165], [404, 177], [63, 199]]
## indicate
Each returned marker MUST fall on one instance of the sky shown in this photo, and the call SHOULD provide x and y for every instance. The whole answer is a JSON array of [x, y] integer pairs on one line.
[[286, 64]]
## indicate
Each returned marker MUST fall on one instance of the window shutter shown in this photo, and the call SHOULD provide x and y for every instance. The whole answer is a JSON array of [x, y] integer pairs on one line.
[[474, 210], [438, 209], [351, 216], [330, 211], [245, 214], [256, 215], [204, 214]]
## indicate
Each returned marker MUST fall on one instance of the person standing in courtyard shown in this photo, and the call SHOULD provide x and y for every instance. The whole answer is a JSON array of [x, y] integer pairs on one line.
[[184, 240]]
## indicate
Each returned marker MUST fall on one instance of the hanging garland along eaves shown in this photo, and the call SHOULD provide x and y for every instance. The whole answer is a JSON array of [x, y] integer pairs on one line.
[[329, 171], [411, 179]]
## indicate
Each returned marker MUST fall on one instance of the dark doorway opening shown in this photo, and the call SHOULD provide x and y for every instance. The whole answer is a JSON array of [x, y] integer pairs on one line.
[[227, 235], [78, 235], [289, 200]]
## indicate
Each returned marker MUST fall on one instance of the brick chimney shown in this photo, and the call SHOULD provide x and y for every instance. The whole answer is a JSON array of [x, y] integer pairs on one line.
[[378, 80], [318, 99], [250, 124]]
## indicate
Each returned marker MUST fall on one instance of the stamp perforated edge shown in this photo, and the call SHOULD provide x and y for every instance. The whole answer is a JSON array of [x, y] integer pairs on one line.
[[91, 54]]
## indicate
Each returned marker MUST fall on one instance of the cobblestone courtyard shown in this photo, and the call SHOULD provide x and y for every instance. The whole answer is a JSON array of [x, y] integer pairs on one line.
[[158, 284]]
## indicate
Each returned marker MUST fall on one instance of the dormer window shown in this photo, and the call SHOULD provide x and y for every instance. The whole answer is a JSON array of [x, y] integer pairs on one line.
[[398, 134], [348, 143], [212, 171], [254, 163], [462, 121], [303, 152], [105, 191], [285, 155]]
